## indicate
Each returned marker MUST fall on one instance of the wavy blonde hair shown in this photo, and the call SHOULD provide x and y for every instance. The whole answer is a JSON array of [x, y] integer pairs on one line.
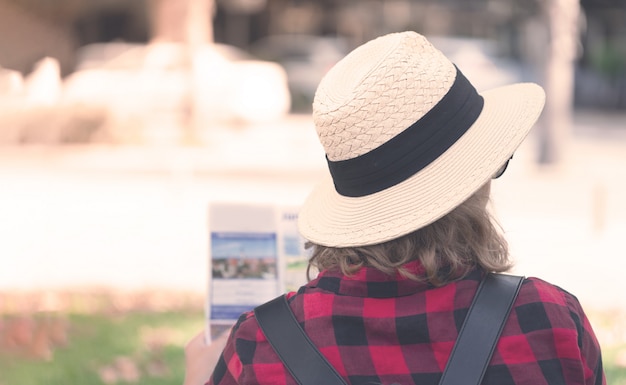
[[466, 238]]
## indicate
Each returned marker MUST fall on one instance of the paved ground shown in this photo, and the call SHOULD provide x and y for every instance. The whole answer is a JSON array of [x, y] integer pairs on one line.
[[136, 217]]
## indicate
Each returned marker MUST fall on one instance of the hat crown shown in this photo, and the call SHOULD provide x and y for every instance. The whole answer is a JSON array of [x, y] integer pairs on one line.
[[407, 139], [377, 91]]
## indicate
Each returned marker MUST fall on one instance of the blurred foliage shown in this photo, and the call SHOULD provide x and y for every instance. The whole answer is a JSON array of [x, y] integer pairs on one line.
[[135, 347], [615, 375], [608, 60], [610, 328]]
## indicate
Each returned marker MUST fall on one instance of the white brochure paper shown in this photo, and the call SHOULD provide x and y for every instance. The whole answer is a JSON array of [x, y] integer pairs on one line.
[[245, 262]]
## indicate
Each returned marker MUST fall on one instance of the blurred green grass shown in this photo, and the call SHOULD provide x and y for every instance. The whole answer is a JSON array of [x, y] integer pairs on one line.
[[615, 375], [135, 347], [144, 345], [610, 328]]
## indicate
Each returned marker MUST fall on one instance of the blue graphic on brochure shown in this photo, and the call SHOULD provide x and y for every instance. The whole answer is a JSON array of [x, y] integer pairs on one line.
[[244, 272]]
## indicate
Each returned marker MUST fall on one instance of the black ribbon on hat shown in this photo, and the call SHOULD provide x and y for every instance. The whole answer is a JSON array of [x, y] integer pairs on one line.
[[414, 148]]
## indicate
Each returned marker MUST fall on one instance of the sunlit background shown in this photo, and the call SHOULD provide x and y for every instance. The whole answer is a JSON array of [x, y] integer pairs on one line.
[[121, 120]]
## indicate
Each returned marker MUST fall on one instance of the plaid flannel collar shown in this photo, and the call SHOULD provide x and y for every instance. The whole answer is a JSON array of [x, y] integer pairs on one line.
[[372, 283]]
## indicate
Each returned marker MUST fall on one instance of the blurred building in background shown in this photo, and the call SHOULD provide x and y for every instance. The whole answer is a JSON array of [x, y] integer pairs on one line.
[[496, 41]]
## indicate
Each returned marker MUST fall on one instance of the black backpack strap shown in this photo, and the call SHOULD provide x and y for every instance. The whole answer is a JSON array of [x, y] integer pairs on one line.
[[481, 329], [305, 363], [467, 364]]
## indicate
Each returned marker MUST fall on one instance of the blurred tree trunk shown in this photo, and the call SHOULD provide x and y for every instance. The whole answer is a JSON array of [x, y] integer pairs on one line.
[[555, 129], [167, 20], [199, 33], [199, 22], [188, 22]]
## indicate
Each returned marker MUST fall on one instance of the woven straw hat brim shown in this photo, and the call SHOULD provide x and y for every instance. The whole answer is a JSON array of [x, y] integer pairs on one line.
[[330, 219]]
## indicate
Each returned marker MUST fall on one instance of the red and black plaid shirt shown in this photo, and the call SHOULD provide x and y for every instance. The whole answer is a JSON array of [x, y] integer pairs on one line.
[[376, 329]]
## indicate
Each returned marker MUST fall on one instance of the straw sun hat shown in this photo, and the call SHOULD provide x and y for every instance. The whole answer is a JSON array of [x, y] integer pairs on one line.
[[407, 139]]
